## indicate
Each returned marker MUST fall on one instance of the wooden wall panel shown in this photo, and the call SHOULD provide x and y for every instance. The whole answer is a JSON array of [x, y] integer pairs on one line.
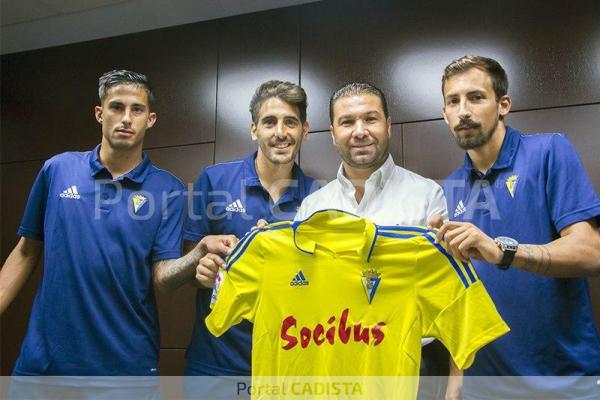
[[319, 158], [182, 65], [253, 48], [172, 363], [48, 99], [430, 149], [185, 162], [53, 106], [396, 144], [16, 179], [402, 47]]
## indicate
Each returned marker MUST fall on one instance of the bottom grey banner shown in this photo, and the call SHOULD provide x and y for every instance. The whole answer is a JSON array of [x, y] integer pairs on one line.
[[298, 387]]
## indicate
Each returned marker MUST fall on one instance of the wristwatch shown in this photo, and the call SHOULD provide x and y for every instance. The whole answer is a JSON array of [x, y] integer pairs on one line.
[[509, 247]]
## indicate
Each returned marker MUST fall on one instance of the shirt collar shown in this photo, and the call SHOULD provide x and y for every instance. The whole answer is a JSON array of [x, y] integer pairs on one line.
[[251, 177], [313, 231], [137, 175], [250, 174], [510, 144], [379, 176]]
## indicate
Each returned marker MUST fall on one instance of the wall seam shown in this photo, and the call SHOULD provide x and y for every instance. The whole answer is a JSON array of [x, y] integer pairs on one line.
[[300, 68], [219, 29], [402, 144]]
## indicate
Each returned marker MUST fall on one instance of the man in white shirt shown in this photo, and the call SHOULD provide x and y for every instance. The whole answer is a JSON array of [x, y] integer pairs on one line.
[[370, 185], [368, 182]]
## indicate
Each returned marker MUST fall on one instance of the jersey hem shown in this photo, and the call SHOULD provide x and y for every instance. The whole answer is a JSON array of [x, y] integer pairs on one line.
[[166, 255], [578, 216], [29, 233], [482, 340], [192, 237]]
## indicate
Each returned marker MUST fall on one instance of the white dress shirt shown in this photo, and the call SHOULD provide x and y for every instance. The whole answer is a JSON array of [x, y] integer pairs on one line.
[[393, 196]]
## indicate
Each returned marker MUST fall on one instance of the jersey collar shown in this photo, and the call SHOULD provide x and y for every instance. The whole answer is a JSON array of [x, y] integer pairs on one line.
[[324, 227], [510, 144], [251, 179], [137, 175]]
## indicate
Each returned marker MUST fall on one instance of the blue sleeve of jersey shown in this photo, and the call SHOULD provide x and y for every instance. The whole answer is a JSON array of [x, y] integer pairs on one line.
[[32, 224], [571, 196], [167, 243], [197, 224]]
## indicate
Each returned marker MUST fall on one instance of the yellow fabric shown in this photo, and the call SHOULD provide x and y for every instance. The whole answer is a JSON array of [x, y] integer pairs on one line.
[[324, 325]]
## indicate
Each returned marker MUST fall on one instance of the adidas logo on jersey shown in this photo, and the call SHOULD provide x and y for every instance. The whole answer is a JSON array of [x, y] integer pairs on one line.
[[460, 209], [299, 280], [70, 193], [236, 206]]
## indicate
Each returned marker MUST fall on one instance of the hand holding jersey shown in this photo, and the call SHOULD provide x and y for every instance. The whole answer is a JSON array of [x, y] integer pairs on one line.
[[212, 248], [466, 241], [218, 246]]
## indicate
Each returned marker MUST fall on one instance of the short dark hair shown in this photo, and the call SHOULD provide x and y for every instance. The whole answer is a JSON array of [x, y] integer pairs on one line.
[[488, 65], [124, 77], [289, 92], [356, 88]]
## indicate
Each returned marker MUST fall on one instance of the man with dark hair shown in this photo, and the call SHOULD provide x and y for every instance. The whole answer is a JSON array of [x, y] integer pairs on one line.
[[231, 197], [368, 182], [287, 92], [106, 221], [355, 89], [527, 216], [124, 77]]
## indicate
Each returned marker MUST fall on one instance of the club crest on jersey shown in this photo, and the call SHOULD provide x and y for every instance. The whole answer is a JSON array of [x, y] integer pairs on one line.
[[370, 281], [138, 201], [511, 184]]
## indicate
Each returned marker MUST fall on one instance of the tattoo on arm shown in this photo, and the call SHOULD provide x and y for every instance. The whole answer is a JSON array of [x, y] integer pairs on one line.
[[529, 261], [548, 260], [539, 265], [540, 261], [174, 273]]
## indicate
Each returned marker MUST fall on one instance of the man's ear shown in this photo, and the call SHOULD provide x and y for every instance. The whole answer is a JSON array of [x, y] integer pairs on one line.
[[151, 119], [388, 121], [305, 127], [504, 105], [444, 115], [98, 114], [332, 135], [253, 132]]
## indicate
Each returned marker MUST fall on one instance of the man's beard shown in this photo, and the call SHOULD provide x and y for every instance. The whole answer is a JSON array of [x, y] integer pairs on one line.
[[280, 159], [474, 141], [379, 157]]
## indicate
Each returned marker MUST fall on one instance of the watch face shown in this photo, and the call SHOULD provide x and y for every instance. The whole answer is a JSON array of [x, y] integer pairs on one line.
[[507, 242]]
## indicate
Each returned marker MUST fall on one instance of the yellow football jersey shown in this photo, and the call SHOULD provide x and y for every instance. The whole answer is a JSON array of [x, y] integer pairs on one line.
[[336, 295]]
